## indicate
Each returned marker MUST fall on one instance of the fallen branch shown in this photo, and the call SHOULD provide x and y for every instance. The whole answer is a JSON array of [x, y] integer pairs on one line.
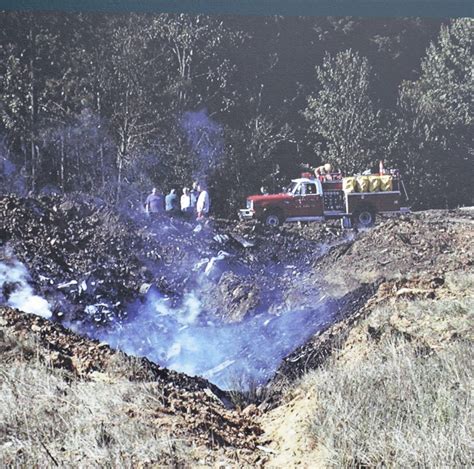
[[49, 454]]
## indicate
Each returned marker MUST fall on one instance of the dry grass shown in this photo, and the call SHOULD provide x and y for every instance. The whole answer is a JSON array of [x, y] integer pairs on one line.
[[407, 400], [47, 418], [426, 322], [461, 283], [399, 407]]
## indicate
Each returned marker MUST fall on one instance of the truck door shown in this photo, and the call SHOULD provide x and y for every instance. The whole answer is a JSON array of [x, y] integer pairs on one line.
[[311, 202], [295, 205]]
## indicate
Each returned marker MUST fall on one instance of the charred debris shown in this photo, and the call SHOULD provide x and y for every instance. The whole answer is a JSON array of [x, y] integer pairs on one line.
[[90, 261]]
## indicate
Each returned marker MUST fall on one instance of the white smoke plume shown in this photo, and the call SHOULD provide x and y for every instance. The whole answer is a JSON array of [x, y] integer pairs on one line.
[[15, 290]]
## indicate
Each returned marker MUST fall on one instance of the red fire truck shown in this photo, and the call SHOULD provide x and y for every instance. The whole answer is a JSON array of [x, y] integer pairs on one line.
[[354, 200]]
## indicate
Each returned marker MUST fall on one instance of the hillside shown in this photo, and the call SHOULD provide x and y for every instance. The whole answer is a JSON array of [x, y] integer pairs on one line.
[[357, 347], [389, 385]]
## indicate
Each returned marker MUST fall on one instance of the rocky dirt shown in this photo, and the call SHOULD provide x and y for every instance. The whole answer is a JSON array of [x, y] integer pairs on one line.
[[430, 242]]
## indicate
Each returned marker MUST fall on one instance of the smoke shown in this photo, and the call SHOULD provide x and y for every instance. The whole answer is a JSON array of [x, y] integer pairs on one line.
[[188, 340], [180, 334], [205, 137], [184, 338], [15, 290], [12, 179]]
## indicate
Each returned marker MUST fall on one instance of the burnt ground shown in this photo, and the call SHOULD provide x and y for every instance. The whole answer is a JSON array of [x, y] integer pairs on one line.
[[81, 253]]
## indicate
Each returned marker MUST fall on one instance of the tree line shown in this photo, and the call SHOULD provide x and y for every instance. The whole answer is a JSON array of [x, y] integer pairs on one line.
[[113, 105]]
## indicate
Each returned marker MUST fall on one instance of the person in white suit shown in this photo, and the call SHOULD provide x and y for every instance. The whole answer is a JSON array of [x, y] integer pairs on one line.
[[203, 202]]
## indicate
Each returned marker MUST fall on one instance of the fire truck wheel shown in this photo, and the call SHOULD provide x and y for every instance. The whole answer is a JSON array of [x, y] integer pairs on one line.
[[272, 219], [364, 218]]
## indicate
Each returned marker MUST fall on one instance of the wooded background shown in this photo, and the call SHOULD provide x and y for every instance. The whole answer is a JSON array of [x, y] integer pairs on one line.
[[113, 105]]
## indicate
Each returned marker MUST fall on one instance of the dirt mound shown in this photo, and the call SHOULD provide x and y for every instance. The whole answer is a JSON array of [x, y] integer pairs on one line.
[[403, 258], [432, 241]]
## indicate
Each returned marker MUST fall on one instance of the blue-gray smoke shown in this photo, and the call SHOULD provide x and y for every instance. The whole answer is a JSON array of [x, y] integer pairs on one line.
[[206, 140], [15, 289], [185, 340]]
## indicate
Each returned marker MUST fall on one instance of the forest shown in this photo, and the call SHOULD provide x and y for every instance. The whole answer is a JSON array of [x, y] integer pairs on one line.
[[114, 104]]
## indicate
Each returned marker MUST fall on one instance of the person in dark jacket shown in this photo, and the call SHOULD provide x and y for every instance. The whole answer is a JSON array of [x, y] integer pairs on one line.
[[194, 193], [171, 202], [154, 203]]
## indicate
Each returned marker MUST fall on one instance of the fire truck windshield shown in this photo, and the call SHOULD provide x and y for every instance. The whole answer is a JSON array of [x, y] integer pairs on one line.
[[294, 188]]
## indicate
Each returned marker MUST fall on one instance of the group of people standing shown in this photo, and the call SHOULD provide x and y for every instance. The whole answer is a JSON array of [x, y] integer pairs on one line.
[[194, 201]]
